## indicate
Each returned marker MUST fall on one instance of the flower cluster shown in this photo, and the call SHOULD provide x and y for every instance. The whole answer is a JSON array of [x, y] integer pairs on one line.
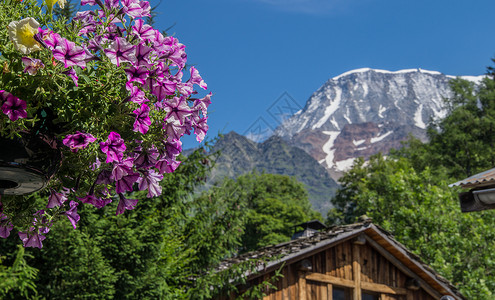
[[124, 97]]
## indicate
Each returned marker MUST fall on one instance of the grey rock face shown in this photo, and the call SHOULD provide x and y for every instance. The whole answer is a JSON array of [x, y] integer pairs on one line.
[[366, 111], [240, 155]]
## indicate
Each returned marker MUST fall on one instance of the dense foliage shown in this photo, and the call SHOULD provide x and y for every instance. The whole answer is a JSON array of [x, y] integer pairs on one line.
[[19, 277], [163, 250], [408, 192], [272, 205]]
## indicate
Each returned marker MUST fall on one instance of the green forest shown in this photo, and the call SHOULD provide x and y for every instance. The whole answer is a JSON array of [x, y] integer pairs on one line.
[[167, 248]]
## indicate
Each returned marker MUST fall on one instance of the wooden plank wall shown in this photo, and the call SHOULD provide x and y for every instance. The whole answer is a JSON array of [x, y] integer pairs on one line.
[[338, 262], [377, 269]]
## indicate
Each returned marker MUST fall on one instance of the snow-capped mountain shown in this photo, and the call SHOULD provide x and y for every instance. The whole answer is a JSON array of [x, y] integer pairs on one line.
[[366, 111]]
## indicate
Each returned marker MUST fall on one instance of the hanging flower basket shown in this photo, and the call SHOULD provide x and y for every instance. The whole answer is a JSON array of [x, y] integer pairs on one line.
[[92, 108]]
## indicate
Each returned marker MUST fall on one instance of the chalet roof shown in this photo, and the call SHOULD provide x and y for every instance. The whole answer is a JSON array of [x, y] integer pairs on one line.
[[301, 248], [477, 180]]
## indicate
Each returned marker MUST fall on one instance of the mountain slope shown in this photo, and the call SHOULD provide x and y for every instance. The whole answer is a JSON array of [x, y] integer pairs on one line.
[[239, 155], [366, 111]]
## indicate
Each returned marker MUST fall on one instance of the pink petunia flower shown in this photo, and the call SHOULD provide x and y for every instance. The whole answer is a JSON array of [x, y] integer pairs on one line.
[[31, 239], [121, 51], [56, 199], [72, 214], [13, 107], [146, 159], [143, 120], [73, 75], [203, 104], [150, 181], [167, 166], [162, 87], [200, 129], [177, 110], [88, 2], [136, 8], [172, 149], [126, 183], [95, 201], [124, 204], [5, 226], [143, 31], [32, 65], [113, 147], [143, 54], [196, 78], [79, 140], [174, 131], [68, 53], [136, 95], [139, 74]]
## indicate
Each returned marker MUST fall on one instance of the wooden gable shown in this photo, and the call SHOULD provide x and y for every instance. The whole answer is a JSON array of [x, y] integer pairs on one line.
[[366, 264], [355, 269]]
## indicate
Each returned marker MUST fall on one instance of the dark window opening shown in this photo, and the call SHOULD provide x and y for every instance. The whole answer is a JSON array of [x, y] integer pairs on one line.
[[366, 296]]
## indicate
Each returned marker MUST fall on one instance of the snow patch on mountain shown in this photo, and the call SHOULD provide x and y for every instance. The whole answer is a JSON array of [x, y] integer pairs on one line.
[[327, 147], [346, 117], [475, 79], [380, 137], [418, 117], [357, 143], [365, 89], [331, 109], [381, 110], [364, 70], [345, 164], [334, 123]]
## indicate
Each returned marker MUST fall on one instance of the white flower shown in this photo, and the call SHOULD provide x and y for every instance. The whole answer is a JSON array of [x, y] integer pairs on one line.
[[51, 3], [61, 3], [22, 33]]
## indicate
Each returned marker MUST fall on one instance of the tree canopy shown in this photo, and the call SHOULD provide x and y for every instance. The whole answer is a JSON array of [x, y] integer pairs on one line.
[[271, 206], [408, 194], [163, 250]]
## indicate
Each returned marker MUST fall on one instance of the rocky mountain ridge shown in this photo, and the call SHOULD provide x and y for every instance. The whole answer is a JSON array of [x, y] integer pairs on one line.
[[366, 111], [239, 155]]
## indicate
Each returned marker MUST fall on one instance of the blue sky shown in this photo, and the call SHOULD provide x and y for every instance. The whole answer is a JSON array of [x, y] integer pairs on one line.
[[252, 52]]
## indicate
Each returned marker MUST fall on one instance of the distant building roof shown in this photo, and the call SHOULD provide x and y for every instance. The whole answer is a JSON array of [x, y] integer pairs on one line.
[[479, 180], [313, 224], [297, 249], [309, 229]]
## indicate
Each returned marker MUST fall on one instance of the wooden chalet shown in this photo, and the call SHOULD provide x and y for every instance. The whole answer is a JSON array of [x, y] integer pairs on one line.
[[359, 261]]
